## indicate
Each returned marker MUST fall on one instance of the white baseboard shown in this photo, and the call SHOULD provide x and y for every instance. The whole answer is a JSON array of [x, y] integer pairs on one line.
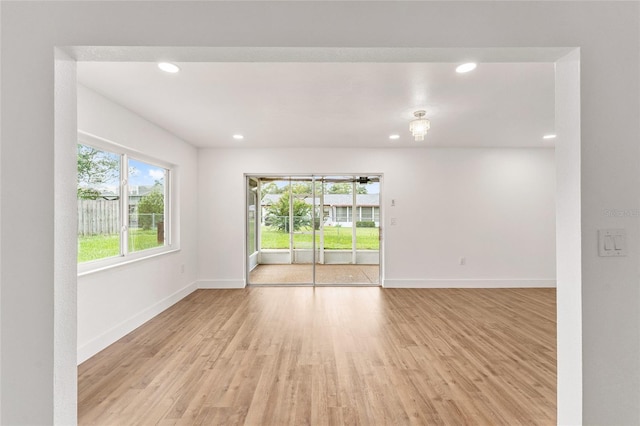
[[457, 283], [95, 345], [212, 284]]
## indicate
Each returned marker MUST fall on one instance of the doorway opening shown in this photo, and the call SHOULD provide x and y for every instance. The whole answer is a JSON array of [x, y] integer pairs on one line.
[[313, 230]]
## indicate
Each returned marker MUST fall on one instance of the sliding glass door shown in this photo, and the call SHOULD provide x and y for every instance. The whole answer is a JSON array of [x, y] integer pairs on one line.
[[313, 230], [348, 249], [284, 244]]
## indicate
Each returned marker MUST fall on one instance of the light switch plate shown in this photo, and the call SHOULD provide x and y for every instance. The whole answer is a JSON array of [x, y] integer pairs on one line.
[[612, 242]]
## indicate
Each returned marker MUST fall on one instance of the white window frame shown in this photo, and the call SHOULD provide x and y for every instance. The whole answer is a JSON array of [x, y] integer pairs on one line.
[[125, 256]]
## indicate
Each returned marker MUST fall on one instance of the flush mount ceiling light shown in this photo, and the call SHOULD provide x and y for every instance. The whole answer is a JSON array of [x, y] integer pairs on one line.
[[168, 67], [549, 137], [394, 137], [419, 126], [469, 66], [238, 137]]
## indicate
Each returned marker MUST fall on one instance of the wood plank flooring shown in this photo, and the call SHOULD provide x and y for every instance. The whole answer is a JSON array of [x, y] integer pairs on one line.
[[332, 356]]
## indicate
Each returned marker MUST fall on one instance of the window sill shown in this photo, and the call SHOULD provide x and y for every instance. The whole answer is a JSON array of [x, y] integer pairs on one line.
[[104, 265]]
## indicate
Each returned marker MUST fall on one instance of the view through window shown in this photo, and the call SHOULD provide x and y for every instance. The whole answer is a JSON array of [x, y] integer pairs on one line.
[[110, 223]]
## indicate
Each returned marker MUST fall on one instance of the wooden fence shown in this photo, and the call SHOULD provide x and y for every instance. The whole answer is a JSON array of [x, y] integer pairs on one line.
[[97, 217]]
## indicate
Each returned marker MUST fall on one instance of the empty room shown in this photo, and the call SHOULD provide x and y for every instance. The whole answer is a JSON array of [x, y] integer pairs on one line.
[[461, 206], [249, 213]]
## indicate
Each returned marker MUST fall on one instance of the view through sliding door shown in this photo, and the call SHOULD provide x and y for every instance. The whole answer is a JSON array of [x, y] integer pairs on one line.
[[348, 243], [313, 230], [284, 217]]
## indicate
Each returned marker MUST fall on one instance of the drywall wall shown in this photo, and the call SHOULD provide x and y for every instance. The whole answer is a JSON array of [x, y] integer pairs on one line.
[[495, 207], [568, 233], [68, 387], [607, 33], [65, 277], [113, 302]]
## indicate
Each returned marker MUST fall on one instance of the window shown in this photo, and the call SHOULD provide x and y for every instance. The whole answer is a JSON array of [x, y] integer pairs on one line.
[[146, 205], [343, 214], [123, 204], [366, 214]]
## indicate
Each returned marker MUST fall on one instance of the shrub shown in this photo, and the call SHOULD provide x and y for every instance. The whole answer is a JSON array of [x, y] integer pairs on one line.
[[88, 194], [150, 204], [365, 224]]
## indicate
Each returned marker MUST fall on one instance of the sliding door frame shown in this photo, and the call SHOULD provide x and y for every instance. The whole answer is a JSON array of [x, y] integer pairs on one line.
[[314, 177]]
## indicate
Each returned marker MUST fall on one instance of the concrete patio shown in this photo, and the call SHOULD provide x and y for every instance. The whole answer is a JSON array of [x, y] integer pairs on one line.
[[325, 274]]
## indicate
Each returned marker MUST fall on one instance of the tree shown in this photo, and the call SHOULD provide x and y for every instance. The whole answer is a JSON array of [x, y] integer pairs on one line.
[[278, 214], [296, 188], [304, 187], [95, 168], [345, 188], [271, 188], [151, 203]]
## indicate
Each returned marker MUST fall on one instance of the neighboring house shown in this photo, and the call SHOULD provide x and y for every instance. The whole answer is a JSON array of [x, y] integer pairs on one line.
[[137, 192], [337, 209]]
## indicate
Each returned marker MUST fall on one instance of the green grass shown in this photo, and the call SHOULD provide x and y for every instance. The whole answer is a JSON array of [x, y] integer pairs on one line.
[[94, 247], [335, 238]]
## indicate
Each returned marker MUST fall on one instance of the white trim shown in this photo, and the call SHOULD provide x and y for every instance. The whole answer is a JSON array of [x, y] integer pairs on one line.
[[125, 256], [469, 283], [120, 330], [87, 268], [220, 284], [124, 208]]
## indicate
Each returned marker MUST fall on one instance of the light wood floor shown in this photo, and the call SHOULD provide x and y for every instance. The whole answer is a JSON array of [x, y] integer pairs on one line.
[[341, 355], [325, 274]]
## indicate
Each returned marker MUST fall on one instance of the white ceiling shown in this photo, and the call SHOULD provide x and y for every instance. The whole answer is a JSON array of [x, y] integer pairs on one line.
[[287, 104]]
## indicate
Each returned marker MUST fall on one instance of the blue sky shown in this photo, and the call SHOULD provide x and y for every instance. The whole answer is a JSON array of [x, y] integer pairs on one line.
[[144, 174]]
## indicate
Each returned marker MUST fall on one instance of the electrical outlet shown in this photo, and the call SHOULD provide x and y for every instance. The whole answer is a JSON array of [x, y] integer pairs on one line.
[[182, 268], [462, 261]]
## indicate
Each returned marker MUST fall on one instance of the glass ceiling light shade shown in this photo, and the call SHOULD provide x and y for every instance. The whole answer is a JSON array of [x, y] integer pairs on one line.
[[419, 126]]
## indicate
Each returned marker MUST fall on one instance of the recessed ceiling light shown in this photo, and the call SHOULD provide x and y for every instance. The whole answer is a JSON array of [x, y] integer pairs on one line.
[[238, 137], [469, 66], [394, 137], [549, 137], [168, 67]]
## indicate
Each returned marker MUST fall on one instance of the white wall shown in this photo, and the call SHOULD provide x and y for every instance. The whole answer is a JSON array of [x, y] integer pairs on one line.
[[65, 224], [495, 207], [568, 235], [607, 33], [113, 302]]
